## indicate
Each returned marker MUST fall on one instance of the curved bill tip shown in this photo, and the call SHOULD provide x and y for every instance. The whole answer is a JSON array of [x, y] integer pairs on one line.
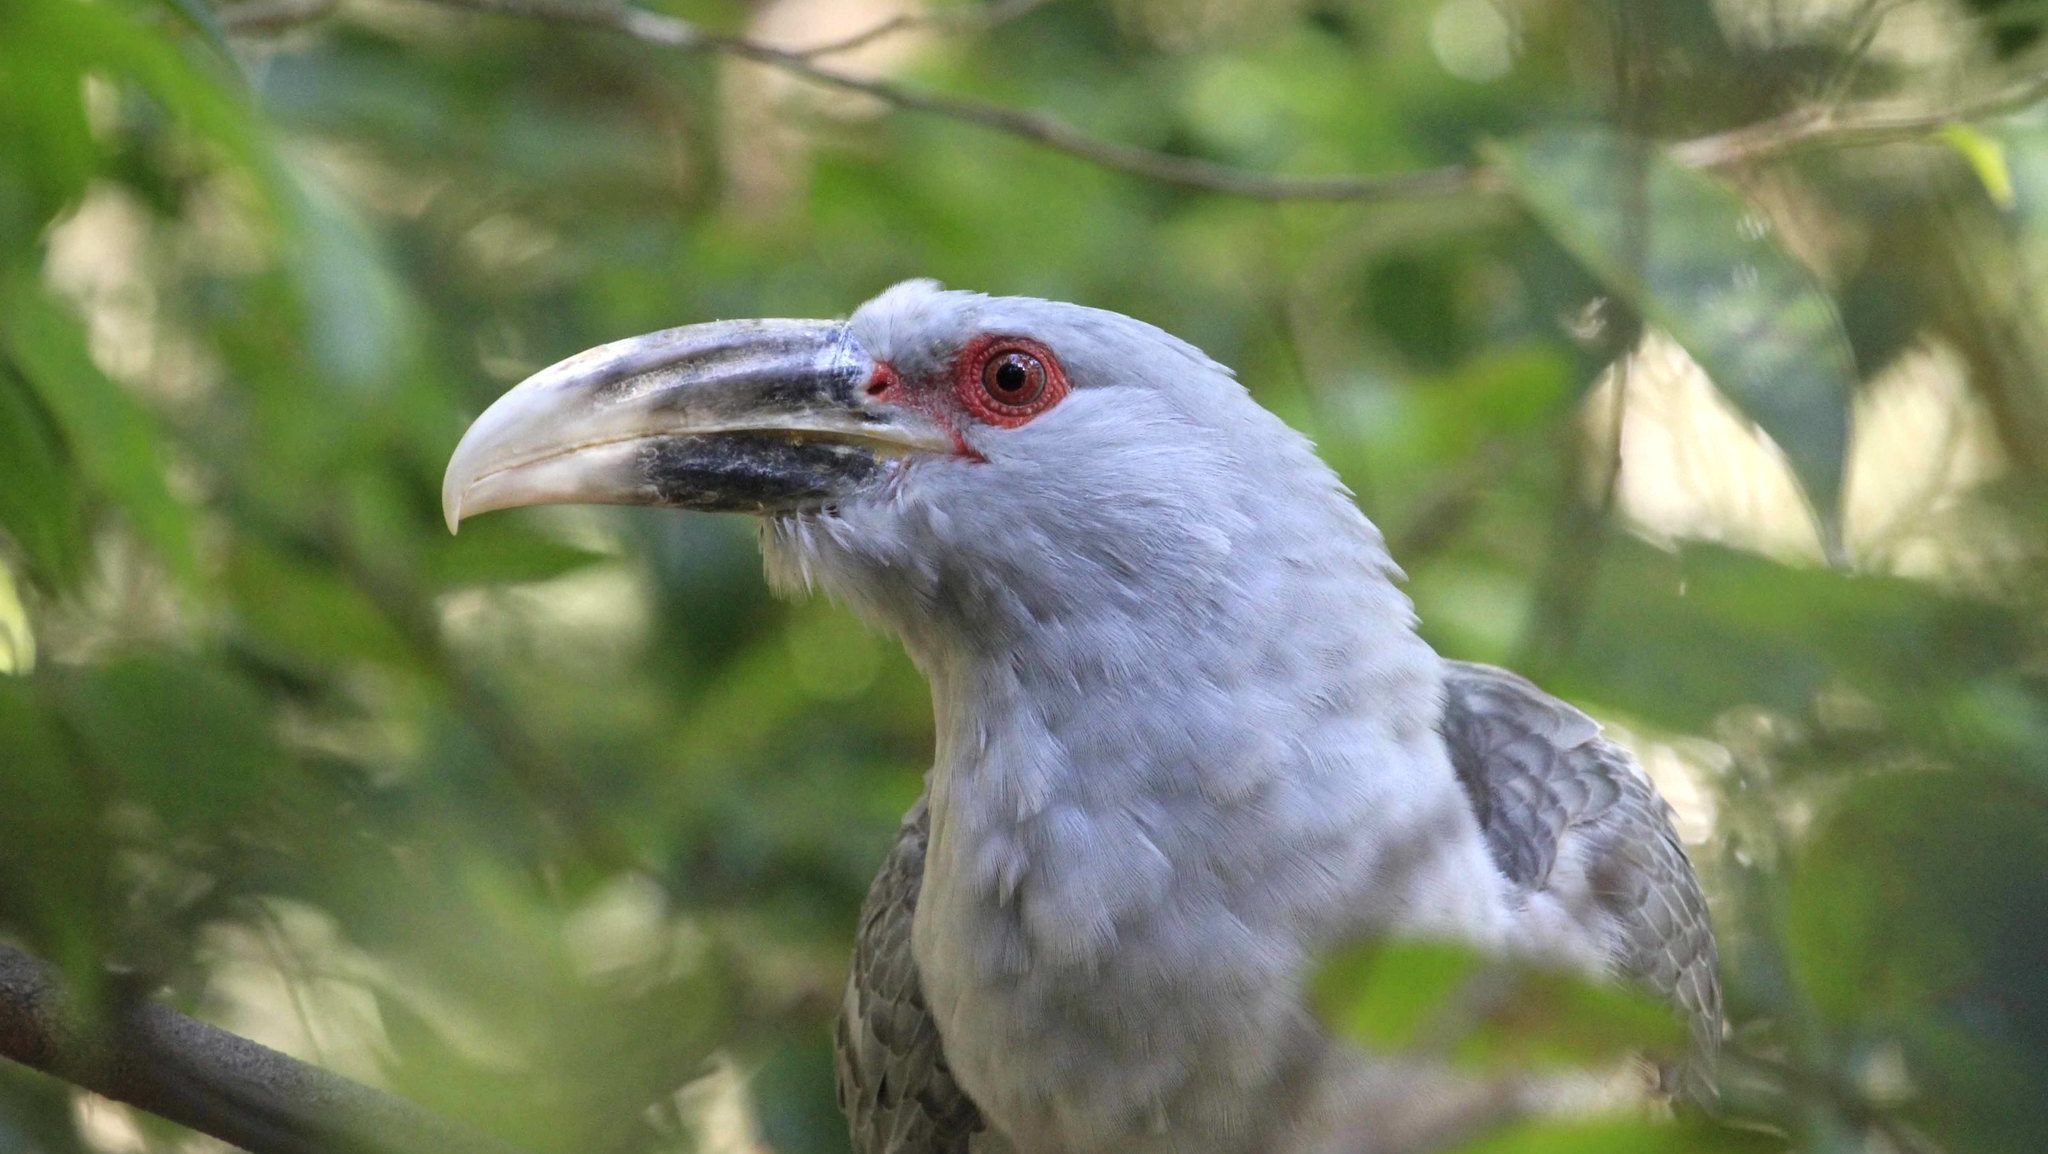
[[451, 504], [548, 442]]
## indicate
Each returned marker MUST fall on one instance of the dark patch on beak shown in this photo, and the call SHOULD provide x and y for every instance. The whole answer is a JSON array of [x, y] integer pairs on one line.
[[754, 472]]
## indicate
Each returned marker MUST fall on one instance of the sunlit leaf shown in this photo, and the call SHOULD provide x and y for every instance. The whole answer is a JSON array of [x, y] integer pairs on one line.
[[1387, 994], [17, 639], [1553, 1017], [1621, 1136], [1698, 263], [1456, 1002], [1985, 154]]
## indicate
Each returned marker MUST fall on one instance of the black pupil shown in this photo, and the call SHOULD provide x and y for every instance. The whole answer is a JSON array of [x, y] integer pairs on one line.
[[1011, 375]]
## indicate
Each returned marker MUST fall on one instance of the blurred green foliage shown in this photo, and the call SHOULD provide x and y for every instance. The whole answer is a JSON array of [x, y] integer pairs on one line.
[[531, 824], [1452, 1001]]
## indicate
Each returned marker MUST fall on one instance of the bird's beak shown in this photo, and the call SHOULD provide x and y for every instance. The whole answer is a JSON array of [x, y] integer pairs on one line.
[[759, 416]]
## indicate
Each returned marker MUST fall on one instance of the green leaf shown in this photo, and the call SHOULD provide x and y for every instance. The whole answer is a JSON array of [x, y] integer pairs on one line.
[[17, 639], [494, 551], [1554, 1017], [1387, 994], [1484, 1011], [109, 36], [1752, 631], [1918, 913], [1872, 938], [113, 439], [1694, 260], [45, 138], [41, 506], [183, 738], [53, 851], [309, 609], [1621, 1136], [1984, 152]]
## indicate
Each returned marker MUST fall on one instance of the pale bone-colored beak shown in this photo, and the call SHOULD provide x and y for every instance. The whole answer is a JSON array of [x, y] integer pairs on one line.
[[760, 416]]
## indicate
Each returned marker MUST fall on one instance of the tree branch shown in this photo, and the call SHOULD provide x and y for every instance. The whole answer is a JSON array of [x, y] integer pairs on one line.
[[1858, 124], [1817, 126], [215, 1082], [268, 17], [1049, 131], [948, 20]]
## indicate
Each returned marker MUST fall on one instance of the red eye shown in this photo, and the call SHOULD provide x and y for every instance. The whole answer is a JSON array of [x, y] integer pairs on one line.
[[1007, 381], [1014, 378]]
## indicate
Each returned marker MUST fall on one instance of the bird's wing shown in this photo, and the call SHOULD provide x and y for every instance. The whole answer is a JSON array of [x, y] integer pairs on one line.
[[1569, 816], [898, 1095]]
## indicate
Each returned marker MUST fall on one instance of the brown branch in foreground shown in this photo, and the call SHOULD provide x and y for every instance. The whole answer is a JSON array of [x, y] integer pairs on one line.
[[212, 1081], [1835, 125]]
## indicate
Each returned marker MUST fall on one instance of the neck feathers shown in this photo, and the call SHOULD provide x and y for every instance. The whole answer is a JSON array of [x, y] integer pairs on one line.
[[1154, 620], [1266, 663]]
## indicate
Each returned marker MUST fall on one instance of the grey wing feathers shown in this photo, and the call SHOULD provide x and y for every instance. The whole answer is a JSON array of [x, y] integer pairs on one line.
[[898, 1095], [1538, 772]]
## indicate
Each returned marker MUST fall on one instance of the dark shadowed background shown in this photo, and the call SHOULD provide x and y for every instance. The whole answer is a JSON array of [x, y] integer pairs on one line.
[[542, 824]]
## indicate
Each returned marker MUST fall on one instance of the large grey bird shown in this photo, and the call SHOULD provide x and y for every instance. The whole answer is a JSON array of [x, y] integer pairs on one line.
[[1187, 737]]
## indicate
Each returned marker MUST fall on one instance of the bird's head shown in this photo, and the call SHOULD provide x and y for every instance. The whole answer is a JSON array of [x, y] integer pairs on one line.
[[940, 460]]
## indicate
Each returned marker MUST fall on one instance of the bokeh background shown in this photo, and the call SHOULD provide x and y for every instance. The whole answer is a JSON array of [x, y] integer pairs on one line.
[[1709, 390]]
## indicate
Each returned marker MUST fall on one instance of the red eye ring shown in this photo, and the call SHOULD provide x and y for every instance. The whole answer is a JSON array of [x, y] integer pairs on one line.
[[1006, 381]]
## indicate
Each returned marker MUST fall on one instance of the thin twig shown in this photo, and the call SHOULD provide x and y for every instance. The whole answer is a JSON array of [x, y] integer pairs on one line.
[[952, 21], [1846, 125], [1051, 132], [1850, 125], [269, 17], [1864, 24], [215, 1082], [1058, 135]]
